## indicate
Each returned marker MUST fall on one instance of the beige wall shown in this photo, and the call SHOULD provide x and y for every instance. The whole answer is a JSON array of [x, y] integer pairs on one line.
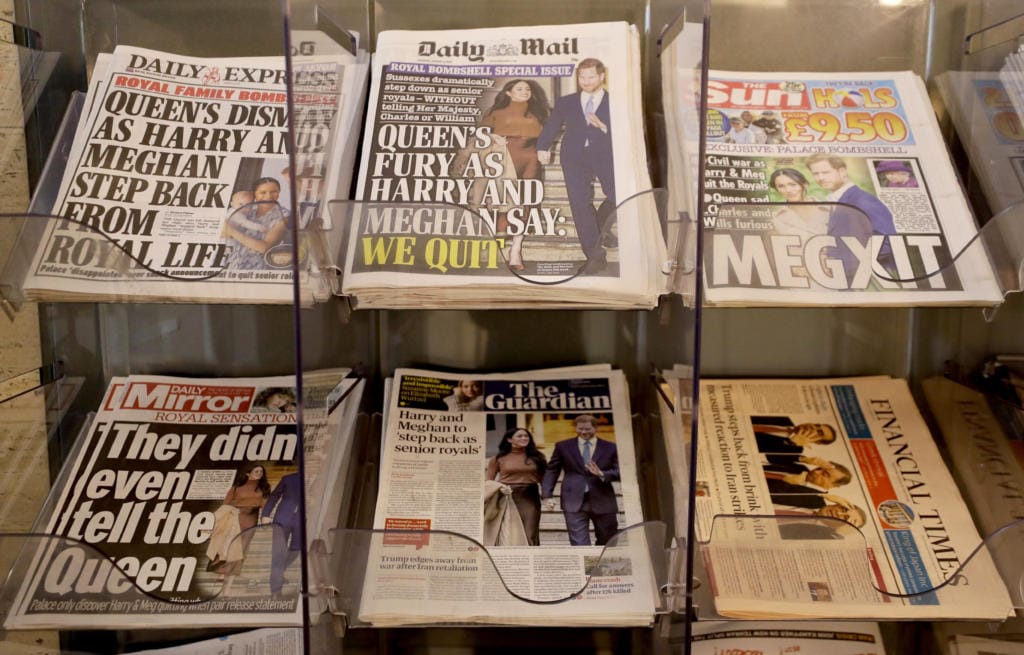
[[22, 421]]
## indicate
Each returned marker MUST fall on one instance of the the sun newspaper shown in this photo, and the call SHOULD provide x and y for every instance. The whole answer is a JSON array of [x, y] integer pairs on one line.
[[158, 511], [834, 189], [472, 529], [178, 185], [854, 514], [495, 157], [681, 83]]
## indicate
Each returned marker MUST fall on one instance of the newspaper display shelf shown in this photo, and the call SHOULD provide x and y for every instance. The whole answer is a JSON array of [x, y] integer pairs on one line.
[[91, 343], [929, 38], [96, 342]]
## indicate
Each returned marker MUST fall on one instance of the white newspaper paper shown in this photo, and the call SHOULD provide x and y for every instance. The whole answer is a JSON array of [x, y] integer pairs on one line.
[[442, 433], [813, 461], [834, 189], [178, 184]]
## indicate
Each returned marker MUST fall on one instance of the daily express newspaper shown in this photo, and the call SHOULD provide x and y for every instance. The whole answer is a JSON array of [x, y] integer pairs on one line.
[[443, 470], [800, 454], [834, 189], [178, 184], [496, 149], [160, 503]]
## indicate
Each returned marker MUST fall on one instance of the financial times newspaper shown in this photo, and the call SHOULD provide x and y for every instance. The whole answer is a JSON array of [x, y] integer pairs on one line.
[[444, 469], [178, 184], [813, 461], [496, 149], [834, 189], [160, 502]]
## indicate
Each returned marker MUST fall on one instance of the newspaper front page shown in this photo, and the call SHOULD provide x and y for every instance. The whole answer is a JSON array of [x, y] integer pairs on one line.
[[497, 156], [178, 184], [834, 189], [497, 459], [160, 502], [855, 514]]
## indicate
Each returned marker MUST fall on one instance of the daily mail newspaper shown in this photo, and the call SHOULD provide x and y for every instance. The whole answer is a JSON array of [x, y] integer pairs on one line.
[[834, 189], [854, 514], [178, 185], [160, 502], [497, 157], [484, 457]]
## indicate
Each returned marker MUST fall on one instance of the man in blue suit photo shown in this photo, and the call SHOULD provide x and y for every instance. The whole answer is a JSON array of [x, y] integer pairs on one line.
[[286, 497], [857, 213], [590, 465], [586, 153]]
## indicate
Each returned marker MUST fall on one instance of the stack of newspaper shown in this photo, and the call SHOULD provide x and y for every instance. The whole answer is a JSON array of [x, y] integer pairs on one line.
[[501, 495], [183, 498], [850, 510], [505, 167], [1012, 75], [178, 184], [991, 132], [830, 189], [681, 84]]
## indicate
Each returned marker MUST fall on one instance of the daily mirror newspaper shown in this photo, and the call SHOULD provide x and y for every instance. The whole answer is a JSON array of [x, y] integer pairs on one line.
[[537, 474], [834, 189], [161, 503], [853, 513], [497, 156], [178, 187]]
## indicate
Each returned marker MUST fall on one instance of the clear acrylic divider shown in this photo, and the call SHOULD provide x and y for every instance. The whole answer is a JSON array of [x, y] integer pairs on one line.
[[796, 556], [680, 48], [978, 95], [411, 577]]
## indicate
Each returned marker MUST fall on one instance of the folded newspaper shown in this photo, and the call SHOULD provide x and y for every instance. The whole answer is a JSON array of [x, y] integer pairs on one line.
[[834, 189], [852, 511], [182, 499], [502, 494], [804, 637], [178, 184], [506, 167], [985, 458]]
